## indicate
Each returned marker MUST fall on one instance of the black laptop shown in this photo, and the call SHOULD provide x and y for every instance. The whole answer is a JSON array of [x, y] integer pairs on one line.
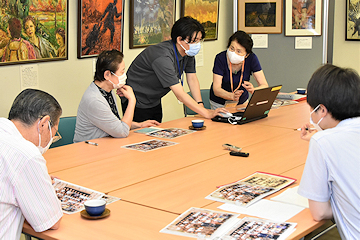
[[258, 107]]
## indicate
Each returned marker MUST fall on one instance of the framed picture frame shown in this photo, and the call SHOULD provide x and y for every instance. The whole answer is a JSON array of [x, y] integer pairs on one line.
[[32, 32], [206, 12], [352, 28], [260, 17], [150, 22], [100, 26], [303, 18]]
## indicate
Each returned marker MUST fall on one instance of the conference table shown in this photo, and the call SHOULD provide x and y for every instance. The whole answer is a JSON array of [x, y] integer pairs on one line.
[[157, 186]]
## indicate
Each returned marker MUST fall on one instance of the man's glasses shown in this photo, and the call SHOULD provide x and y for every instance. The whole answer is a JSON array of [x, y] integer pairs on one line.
[[57, 136]]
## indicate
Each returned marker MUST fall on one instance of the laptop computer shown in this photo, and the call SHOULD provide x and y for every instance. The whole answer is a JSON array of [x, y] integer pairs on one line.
[[258, 107]]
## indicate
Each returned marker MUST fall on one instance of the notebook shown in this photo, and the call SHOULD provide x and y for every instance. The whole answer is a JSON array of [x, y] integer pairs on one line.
[[258, 107]]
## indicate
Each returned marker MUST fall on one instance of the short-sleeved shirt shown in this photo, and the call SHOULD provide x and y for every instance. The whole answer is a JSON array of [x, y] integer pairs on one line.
[[221, 68], [154, 71], [332, 172], [26, 191]]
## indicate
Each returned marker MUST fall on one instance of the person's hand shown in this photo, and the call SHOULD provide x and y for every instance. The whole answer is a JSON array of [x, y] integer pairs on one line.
[[307, 132], [216, 112], [248, 86], [53, 179], [237, 95], [149, 123], [126, 91]]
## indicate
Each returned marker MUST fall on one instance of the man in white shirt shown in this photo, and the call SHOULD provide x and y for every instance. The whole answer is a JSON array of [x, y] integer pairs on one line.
[[26, 191], [331, 178]]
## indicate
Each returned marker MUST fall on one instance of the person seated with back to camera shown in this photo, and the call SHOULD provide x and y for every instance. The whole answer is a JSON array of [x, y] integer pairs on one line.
[[331, 175], [98, 114], [232, 70], [25, 185]]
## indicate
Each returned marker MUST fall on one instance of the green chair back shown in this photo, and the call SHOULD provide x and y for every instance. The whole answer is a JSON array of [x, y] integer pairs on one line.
[[66, 130], [205, 95]]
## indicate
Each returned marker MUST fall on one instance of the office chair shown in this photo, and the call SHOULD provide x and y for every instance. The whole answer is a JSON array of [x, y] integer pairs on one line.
[[205, 95], [66, 130]]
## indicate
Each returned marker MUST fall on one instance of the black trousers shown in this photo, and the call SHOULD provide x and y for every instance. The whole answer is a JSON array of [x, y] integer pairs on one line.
[[143, 114]]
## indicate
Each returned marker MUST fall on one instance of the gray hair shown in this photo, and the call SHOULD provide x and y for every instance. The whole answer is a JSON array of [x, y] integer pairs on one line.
[[32, 104]]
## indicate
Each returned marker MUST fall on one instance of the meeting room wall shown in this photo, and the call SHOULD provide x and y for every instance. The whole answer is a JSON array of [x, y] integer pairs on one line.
[[67, 80]]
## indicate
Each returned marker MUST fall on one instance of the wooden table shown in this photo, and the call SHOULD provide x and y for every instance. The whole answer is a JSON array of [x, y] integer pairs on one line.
[[157, 186]]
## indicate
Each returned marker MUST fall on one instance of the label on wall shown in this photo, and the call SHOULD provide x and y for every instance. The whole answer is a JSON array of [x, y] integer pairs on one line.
[[303, 42], [29, 76]]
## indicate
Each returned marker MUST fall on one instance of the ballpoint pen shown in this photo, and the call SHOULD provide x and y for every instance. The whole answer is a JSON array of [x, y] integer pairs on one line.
[[92, 143], [307, 129]]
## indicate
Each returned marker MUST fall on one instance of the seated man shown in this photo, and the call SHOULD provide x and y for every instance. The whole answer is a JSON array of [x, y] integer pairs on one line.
[[332, 171], [25, 185]]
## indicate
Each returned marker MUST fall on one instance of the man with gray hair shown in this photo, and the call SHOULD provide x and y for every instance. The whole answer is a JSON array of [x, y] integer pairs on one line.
[[26, 191]]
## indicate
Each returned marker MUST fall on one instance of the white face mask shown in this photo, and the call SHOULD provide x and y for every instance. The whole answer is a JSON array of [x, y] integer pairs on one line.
[[234, 58], [122, 80], [44, 149], [316, 125]]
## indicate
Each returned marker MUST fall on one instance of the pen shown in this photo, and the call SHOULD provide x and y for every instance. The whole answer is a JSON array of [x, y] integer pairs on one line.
[[92, 143], [299, 129]]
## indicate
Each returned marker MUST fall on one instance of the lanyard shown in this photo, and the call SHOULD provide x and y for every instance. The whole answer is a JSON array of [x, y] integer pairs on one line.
[[178, 64], [231, 77]]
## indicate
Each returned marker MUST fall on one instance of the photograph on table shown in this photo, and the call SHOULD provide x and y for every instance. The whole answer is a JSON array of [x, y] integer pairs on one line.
[[206, 12], [260, 229], [201, 223], [256, 16], [150, 22], [33, 31], [352, 30], [170, 133], [73, 197], [303, 17], [251, 189], [149, 145], [100, 26]]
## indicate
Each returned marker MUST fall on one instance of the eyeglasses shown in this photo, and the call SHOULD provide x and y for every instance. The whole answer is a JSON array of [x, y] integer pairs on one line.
[[57, 136], [195, 41]]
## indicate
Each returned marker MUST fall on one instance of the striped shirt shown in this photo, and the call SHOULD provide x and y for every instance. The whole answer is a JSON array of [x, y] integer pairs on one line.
[[26, 191]]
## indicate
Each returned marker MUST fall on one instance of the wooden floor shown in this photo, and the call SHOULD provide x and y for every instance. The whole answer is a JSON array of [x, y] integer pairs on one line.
[[333, 234]]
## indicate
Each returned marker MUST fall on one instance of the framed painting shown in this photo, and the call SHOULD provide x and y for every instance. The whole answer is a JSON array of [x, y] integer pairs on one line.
[[303, 17], [255, 17], [206, 12], [352, 28], [150, 22], [33, 31], [100, 26]]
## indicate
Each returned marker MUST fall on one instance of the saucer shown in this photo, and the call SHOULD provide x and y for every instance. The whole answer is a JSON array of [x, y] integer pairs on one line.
[[105, 214], [194, 128]]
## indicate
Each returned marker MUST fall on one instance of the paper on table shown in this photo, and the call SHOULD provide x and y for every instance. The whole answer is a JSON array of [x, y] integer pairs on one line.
[[291, 196], [266, 209]]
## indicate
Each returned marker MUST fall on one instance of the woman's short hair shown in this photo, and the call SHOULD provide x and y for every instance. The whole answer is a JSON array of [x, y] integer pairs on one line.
[[29, 18], [338, 89], [185, 27], [15, 27], [107, 60], [32, 104], [243, 39]]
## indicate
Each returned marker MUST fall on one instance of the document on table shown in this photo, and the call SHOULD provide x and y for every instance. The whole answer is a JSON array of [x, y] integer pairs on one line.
[[291, 196], [266, 209]]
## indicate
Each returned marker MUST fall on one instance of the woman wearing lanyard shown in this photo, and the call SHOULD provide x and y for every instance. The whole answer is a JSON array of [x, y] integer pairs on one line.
[[232, 70]]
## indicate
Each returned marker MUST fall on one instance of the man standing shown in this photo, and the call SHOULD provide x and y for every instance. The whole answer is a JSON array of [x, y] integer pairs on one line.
[[331, 178], [26, 191], [159, 68]]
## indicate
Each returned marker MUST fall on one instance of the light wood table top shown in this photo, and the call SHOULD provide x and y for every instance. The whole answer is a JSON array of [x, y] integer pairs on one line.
[[127, 221], [126, 167], [188, 187]]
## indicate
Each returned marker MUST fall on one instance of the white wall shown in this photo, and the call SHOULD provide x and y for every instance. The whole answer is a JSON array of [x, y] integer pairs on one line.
[[67, 80], [345, 53]]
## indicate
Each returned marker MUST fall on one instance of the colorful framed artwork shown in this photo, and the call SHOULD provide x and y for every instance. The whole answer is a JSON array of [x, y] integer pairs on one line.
[[150, 22], [206, 12], [303, 18], [255, 17], [352, 28], [33, 31], [100, 26]]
